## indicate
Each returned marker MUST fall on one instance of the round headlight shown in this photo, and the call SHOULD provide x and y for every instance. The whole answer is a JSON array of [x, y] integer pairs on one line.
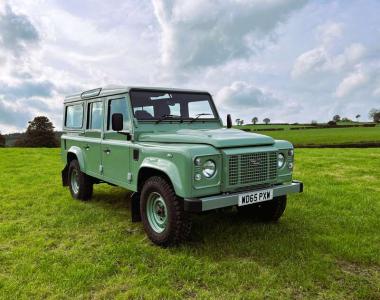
[[280, 160], [208, 169]]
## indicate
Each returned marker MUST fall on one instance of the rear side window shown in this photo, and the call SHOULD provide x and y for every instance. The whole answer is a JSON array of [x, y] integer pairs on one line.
[[118, 106], [74, 116], [95, 115]]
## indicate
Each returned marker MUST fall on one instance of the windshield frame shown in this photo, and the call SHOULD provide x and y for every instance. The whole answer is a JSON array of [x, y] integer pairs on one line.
[[214, 118]]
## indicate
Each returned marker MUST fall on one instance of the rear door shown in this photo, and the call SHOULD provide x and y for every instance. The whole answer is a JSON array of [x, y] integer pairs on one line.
[[115, 146], [93, 134]]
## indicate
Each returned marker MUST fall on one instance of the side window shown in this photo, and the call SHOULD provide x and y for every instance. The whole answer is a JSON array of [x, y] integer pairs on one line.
[[118, 106], [95, 115], [74, 116]]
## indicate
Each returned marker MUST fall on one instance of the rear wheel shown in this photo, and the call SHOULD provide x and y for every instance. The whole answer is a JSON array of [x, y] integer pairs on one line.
[[268, 211], [164, 220], [80, 184]]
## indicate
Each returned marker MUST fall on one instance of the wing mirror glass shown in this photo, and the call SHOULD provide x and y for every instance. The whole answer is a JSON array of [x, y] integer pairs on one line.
[[229, 121], [117, 122]]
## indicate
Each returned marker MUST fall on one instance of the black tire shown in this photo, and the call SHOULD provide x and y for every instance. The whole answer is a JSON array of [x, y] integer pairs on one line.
[[269, 211], [84, 187], [177, 225]]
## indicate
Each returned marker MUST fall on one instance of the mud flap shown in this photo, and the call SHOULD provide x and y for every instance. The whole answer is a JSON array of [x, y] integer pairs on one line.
[[135, 207], [65, 176]]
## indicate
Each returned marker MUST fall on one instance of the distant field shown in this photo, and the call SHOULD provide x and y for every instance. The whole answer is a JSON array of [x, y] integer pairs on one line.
[[325, 136], [326, 246]]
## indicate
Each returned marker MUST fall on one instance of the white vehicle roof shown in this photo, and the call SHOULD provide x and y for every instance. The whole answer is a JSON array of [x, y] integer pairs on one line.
[[114, 90]]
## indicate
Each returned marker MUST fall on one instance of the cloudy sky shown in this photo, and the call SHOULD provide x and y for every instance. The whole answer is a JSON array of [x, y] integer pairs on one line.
[[289, 60]]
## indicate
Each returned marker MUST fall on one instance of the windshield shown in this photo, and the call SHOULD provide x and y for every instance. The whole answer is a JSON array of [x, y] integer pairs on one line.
[[162, 105]]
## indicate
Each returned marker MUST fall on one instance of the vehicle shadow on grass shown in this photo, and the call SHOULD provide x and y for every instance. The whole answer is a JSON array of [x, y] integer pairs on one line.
[[226, 234], [109, 197]]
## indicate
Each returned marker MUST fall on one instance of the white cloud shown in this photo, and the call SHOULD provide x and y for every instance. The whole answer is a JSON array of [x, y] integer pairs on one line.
[[17, 33], [199, 33], [310, 61], [246, 100], [328, 33], [354, 52], [321, 59], [350, 83], [242, 95], [53, 52]]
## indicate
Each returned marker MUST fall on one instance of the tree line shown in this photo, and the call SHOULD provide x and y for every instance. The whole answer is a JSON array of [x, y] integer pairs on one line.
[[373, 114], [254, 121]]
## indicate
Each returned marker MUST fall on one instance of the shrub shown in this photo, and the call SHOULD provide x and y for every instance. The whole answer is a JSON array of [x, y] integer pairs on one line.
[[346, 120]]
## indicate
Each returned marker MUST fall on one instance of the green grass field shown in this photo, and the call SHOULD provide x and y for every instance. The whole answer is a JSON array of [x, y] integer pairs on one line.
[[326, 246], [325, 136]]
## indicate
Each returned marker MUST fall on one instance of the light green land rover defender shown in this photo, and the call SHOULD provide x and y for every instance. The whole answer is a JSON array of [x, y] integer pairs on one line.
[[170, 148]]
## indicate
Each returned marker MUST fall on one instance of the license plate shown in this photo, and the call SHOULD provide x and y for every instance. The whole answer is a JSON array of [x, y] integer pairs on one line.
[[255, 197]]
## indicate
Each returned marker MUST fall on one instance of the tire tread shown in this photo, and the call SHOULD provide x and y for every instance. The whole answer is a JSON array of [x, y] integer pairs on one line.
[[85, 183], [180, 220]]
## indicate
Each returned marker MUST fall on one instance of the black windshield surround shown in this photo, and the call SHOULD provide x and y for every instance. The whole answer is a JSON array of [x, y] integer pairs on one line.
[[155, 105]]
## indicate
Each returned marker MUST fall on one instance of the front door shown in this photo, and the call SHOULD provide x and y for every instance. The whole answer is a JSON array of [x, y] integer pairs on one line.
[[115, 146], [92, 142]]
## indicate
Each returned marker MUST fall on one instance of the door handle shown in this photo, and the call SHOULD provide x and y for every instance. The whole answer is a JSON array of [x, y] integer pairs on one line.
[[107, 151], [87, 147]]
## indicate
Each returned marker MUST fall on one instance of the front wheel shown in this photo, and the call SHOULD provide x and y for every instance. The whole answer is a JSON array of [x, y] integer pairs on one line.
[[268, 211], [164, 220]]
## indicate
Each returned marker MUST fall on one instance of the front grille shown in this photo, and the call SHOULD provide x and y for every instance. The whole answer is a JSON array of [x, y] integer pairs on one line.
[[252, 168]]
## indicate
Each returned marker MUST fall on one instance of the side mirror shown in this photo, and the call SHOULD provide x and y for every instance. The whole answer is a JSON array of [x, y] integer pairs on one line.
[[117, 122], [229, 121]]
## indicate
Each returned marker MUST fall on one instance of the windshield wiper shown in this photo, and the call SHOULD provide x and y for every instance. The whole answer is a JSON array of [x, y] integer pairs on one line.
[[168, 116], [199, 115]]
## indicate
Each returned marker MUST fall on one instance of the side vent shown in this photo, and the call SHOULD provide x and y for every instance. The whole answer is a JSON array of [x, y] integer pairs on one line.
[[136, 154]]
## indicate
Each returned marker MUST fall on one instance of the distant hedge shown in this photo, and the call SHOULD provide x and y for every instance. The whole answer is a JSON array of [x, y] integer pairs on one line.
[[262, 129], [329, 127], [342, 145]]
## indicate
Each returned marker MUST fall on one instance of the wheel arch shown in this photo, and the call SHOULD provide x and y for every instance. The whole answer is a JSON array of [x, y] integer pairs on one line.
[[164, 169], [76, 153], [73, 153]]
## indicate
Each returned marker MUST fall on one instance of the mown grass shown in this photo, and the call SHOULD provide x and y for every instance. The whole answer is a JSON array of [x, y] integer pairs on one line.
[[326, 246], [327, 136]]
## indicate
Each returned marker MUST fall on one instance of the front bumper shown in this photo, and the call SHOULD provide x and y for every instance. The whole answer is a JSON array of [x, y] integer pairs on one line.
[[230, 199]]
